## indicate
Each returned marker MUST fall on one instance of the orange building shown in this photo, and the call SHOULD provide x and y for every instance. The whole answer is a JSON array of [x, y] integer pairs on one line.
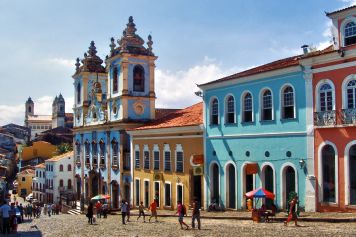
[[334, 92], [38, 149]]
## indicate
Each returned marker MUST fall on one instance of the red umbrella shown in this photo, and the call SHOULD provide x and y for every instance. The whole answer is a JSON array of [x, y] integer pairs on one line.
[[260, 193]]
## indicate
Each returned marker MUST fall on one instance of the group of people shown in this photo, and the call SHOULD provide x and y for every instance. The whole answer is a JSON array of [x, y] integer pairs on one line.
[[100, 209]]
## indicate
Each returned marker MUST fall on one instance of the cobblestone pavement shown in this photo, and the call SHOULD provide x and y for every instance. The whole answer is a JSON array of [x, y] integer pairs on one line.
[[68, 225]]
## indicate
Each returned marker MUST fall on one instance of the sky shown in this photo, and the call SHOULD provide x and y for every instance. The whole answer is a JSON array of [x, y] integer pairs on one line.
[[195, 41]]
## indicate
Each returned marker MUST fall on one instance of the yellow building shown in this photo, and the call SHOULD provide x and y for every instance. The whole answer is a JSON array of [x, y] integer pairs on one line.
[[167, 159], [38, 149], [24, 182]]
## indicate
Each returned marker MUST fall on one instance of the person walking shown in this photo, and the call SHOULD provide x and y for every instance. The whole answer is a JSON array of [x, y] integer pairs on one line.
[[21, 211], [141, 212], [45, 209], [49, 210], [153, 208], [196, 214], [182, 211], [5, 210], [292, 212], [123, 211], [29, 211], [128, 213], [98, 207], [53, 209], [90, 213]]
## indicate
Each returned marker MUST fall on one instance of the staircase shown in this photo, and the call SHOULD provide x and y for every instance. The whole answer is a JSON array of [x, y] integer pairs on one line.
[[75, 211]]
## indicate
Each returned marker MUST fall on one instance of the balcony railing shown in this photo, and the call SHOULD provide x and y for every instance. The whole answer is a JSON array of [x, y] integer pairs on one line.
[[348, 116], [325, 118], [126, 161]]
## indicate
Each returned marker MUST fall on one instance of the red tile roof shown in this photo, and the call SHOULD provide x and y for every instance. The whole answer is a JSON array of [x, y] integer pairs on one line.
[[41, 166], [279, 64], [62, 156], [190, 116], [161, 112], [340, 10]]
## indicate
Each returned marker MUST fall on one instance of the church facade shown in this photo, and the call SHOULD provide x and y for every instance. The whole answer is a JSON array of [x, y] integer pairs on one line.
[[108, 101]]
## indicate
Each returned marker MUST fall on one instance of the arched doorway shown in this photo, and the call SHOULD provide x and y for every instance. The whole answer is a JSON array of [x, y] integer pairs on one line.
[[214, 183], [328, 174], [94, 185], [115, 194], [352, 175], [268, 182], [289, 183], [230, 186]]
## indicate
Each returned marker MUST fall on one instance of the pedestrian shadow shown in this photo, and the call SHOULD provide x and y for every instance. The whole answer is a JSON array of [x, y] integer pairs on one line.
[[36, 233]]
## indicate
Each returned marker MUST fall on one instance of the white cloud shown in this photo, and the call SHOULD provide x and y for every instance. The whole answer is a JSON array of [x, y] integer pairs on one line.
[[349, 2], [62, 62]]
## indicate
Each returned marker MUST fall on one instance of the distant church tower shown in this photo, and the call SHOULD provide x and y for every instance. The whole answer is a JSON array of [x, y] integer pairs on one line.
[[30, 107], [58, 112]]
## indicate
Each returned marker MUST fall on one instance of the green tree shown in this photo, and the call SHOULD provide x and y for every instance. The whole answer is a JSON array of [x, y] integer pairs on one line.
[[64, 148]]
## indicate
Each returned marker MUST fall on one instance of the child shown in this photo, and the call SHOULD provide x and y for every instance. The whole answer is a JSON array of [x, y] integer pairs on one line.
[[141, 212]]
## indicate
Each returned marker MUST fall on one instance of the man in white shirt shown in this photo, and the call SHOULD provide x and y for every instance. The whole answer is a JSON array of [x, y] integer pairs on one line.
[[5, 213]]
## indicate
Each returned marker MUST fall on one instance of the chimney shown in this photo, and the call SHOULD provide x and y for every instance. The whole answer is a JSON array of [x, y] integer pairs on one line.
[[305, 49]]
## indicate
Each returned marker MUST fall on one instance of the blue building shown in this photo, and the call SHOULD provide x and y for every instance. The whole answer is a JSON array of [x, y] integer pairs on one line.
[[108, 101], [258, 133]]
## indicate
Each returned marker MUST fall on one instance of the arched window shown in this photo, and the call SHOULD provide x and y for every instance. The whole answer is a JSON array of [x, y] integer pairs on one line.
[[214, 110], [138, 78], [325, 97], [266, 105], [78, 93], [328, 173], [350, 33], [61, 183], [288, 103], [115, 152], [69, 167], [247, 108], [87, 152], [94, 148], [61, 168], [351, 94], [29, 109], [69, 184], [146, 157], [230, 110], [115, 80]]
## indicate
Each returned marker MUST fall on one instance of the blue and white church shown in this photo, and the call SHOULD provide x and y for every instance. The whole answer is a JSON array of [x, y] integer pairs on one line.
[[258, 133], [109, 100]]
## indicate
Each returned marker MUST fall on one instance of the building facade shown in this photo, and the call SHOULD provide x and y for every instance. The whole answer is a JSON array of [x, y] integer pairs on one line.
[[165, 156], [109, 100], [38, 183], [59, 177], [334, 90], [24, 182]]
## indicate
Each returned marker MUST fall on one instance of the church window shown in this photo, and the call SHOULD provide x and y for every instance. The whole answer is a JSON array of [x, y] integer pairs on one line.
[[115, 81], [138, 78], [350, 33], [87, 152], [29, 109], [102, 152], [115, 152], [78, 93], [95, 153]]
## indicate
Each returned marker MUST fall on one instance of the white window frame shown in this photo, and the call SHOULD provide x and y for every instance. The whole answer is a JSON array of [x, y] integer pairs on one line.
[[156, 149], [166, 148], [159, 192], [139, 190], [317, 93], [242, 105], [226, 105], [179, 148], [281, 101], [262, 91], [146, 149], [342, 28], [137, 149], [182, 185], [211, 111], [170, 193], [344, 89]]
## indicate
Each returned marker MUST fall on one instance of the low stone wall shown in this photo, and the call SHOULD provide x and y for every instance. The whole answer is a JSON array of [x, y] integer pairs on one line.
[[66, 208]]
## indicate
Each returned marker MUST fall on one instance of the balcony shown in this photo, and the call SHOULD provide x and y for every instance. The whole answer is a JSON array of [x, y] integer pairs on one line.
[[348, 116], [127, 162], [65, 189], [325, 118]]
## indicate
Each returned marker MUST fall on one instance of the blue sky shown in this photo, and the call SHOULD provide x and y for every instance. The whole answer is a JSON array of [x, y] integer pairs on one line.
[[196, 41]]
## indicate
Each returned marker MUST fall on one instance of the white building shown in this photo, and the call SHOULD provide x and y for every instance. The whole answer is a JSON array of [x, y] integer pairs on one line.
[[59, 177], [38, 183]]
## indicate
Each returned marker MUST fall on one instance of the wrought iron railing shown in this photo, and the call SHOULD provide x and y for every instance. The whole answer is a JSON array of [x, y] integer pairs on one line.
[[325, 118], [348, 116]]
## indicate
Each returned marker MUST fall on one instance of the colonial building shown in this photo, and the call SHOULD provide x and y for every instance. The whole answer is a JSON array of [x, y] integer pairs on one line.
[[59, 177], [165, 162], [334, 92], [109, 100], [38, 183], [24, 182], [40, 123]]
